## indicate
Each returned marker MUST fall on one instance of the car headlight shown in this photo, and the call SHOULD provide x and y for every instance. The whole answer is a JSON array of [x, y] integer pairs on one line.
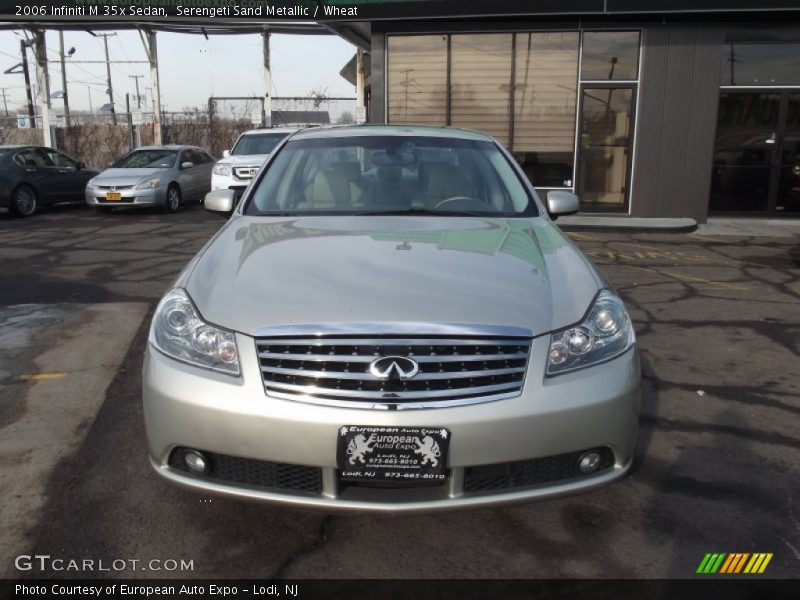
[[148, 184], [179, 332], [606, 332], [91, 182], [222, 170]]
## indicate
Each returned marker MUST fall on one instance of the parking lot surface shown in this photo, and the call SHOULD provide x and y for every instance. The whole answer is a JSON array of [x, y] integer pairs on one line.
[[716, 467]]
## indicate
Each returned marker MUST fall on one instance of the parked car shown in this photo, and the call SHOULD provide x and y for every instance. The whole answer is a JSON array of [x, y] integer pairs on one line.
[[33, 176], [238, 166], [390, 321], [164, 176], [743, 169]]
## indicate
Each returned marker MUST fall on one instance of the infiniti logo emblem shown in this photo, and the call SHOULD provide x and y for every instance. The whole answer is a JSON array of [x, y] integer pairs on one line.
[[389, 367]]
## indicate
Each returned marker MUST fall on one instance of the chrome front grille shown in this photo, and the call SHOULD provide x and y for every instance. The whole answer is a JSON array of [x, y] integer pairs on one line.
[[245, 173], [336, 369]]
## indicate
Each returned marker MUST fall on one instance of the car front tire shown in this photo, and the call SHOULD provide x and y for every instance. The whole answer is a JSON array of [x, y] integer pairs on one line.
[[24, 201], [173, 202]]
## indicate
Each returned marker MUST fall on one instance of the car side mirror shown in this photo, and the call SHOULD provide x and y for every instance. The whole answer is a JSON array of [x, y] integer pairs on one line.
[[80, 165], [560, 202], [220, 202], [187, 164], [226, 153]]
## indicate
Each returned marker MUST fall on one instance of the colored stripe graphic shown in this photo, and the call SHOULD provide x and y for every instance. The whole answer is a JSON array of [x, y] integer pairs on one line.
[[703, 563], [729, 563], [758, 563], [711, 563], [741, 562], [755, 562], [734, 563]]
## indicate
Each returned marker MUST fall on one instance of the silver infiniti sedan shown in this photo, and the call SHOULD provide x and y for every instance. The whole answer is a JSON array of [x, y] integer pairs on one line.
[[165, 176], [390, 321]]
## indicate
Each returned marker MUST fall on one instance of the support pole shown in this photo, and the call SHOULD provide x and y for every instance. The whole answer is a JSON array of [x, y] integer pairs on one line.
[[136, 78], [31, 112], [64, 79], [43, 85], [361, 109], [105, 37], [267, 116], [131, 135], [151, 47]]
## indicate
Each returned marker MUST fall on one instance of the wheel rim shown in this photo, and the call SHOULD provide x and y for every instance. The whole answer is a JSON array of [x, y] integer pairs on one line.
[[25, 201], [174, 199]]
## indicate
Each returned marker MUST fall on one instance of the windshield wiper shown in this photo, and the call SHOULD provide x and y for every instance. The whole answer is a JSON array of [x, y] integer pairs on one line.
[[420, 211]]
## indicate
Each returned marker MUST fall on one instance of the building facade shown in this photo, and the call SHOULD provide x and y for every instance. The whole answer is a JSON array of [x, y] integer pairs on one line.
[[667, 115]]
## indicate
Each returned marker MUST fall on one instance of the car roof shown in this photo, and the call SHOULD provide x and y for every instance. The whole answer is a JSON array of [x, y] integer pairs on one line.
[[165, 147], [20, 146], [391, 130], [286, 130]]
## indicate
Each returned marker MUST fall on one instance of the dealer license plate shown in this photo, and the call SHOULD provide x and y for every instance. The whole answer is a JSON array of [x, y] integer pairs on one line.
[[403, 454], [113, 196]]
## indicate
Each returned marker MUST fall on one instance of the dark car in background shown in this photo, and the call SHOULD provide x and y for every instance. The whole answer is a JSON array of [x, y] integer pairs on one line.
[[34, 176]]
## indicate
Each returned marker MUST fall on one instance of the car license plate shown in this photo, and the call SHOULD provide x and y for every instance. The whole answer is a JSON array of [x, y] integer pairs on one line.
[[113, 196], [402, 454]]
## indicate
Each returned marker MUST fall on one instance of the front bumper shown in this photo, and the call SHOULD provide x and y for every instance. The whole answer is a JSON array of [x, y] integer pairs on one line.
[[130, 197], [228, 182], [188, 407]]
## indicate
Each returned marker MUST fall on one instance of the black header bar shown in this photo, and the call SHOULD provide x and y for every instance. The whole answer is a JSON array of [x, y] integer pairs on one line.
[[307, 11]]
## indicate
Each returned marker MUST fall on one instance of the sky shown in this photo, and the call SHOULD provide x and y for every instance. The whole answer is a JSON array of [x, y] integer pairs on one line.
[[191, 67]]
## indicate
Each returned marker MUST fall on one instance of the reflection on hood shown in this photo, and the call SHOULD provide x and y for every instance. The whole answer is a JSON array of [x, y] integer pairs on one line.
[[277, 271], [515, 237]]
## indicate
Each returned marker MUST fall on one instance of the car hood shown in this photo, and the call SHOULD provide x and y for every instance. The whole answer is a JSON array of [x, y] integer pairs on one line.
[[244, 160], [265, 272], [122, 177]]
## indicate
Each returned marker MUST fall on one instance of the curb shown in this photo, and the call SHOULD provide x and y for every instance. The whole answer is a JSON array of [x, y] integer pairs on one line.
[[626, 224]]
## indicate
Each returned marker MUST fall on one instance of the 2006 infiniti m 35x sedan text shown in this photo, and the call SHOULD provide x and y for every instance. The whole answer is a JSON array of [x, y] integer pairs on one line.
[[390, 321]]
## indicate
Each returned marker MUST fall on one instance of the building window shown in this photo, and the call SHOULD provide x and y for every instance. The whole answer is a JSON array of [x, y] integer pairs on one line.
[[545, 101], [609, 70], [610, 56], [761, 64], [529, 90], [606, 123], [480, 83], [417, 78]]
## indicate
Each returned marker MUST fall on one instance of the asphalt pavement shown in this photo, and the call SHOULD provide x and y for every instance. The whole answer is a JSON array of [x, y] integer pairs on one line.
[[717, 459]]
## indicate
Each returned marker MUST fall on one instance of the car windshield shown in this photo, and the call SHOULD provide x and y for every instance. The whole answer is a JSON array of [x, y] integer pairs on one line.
[[366, 175], [257, 143], [148, 159]]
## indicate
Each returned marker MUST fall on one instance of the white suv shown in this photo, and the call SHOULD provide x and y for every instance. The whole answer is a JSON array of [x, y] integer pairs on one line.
[[240, 165]]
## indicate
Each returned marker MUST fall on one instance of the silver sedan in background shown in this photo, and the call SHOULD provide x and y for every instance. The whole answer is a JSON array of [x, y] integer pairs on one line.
[[164, 176]]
